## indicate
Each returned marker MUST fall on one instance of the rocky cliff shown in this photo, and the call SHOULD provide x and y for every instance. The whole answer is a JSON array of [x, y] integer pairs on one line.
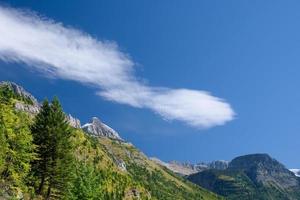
[[74, 122]]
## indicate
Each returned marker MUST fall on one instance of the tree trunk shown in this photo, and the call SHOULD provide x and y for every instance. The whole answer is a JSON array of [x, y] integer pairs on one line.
[[41, 185], [48, 192]]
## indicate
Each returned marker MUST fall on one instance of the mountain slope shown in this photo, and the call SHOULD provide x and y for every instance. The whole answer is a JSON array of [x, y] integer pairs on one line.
[[256, 176], [109, 166]]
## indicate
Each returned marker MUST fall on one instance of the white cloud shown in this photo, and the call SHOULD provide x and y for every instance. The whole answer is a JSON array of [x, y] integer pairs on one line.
[[66, 53]]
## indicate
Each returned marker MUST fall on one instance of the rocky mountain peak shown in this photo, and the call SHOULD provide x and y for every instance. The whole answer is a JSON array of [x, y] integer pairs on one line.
[[96, 121], [74, 122], [253, 161], [99, 129], [296, 172], [20, 91]]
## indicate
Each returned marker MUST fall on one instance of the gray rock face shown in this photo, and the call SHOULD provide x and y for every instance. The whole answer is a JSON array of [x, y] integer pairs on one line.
[[177, 167], [31, 109], [99, 129], [121, 164], [74, 122], [20, 91], [218, 164]]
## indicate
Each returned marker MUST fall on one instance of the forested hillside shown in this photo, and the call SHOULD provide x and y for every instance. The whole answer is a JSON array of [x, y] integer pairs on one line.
[[43, 157]]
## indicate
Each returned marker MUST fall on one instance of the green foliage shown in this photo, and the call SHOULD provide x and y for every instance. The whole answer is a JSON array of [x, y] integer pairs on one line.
[[96, 172], [86, 184], [16, 149], [160, 186], [52, 136]]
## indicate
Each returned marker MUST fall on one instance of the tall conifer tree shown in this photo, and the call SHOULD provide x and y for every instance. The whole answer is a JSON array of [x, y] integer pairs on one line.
[[52, 136], [41, 138]]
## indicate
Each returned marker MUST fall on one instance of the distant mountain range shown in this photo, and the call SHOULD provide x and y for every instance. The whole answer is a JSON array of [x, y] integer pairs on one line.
[[185, 169], [249, 177]]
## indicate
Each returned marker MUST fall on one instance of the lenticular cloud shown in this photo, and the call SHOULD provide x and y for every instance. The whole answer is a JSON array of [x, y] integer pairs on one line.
[[66, 53]]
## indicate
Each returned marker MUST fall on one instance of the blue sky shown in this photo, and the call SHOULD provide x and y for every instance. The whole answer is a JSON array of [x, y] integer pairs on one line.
[[245, 52]]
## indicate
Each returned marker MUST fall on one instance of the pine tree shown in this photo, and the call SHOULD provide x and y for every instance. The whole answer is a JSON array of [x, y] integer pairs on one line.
[[61, 152], [41, 138], [54, 150]]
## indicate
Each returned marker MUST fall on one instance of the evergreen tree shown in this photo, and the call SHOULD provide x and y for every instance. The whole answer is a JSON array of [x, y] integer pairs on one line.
[[52, 136], [5, 94], [41, 135], [61, 152]]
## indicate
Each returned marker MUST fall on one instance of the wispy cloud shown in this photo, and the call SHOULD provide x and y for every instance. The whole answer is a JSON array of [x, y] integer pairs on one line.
[[66, 53]]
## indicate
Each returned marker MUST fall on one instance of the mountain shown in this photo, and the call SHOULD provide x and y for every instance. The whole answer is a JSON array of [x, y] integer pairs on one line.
[[24, 101], [99, 129], [104, 163], [74, 122], [184, 169], [296, 172], [255, 176], [18, 92]]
